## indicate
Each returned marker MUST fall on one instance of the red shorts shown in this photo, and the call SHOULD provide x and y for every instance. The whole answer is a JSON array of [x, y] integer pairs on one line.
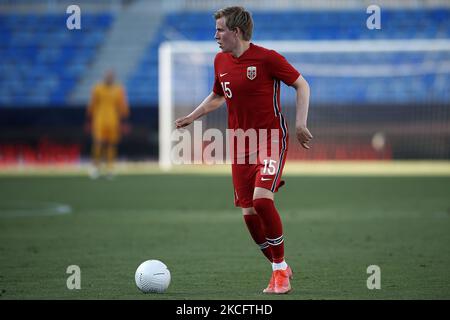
[[264, 174]]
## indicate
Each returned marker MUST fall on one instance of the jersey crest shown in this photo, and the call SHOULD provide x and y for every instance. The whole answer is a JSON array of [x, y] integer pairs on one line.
[[251, 72]]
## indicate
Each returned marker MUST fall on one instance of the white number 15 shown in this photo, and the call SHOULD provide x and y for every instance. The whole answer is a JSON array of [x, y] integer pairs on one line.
[[226, 89], [269, 166]]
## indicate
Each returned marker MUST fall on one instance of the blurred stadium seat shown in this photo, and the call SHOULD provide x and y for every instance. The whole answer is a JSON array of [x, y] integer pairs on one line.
[[45, 67], [321, 25], [41, 61]]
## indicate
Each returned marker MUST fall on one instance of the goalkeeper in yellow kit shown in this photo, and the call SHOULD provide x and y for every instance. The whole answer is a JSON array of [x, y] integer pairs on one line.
[[107, 112]]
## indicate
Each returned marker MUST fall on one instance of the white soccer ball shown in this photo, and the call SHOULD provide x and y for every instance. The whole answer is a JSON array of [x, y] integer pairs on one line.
[[152, 276]]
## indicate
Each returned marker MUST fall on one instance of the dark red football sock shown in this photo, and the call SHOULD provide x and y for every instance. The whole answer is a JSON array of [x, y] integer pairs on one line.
[[271, 222], [256, 231]]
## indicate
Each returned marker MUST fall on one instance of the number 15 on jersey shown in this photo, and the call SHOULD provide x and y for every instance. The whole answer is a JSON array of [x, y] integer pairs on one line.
[[226, 89]]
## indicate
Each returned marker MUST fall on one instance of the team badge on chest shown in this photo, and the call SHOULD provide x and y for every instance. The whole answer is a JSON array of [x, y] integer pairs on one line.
[[251, 73]]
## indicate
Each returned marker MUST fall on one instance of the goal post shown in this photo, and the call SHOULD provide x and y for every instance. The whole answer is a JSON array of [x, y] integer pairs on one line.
[[405, 66]]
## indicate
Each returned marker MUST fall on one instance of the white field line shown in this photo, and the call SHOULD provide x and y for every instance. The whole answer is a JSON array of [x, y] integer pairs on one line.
[[297, 168], [34, 209]]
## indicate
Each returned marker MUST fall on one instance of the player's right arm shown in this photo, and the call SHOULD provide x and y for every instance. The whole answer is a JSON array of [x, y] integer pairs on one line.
[[92, 102], [211, 103], [90, 109]]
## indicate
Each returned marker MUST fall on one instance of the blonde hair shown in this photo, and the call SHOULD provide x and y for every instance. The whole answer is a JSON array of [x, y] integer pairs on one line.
[[237, 17]]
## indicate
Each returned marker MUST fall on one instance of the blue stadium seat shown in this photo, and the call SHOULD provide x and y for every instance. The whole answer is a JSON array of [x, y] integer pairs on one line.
[[42, 61], [317, 25]]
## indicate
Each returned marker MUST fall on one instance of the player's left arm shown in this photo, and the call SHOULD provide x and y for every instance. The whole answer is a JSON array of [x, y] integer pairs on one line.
[[302, 106], [124, 111], [124, 108], [281, 69]]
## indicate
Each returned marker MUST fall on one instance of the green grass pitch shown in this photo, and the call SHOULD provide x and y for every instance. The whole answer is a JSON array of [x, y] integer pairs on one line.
[[335, 227]]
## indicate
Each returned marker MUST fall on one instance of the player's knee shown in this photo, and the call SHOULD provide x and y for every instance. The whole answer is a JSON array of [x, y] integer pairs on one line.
[[262, 193], [260, 203], [248, 211]]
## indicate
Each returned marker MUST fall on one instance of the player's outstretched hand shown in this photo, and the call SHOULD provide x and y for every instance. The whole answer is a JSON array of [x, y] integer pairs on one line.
[[303, 136], [183, 122]]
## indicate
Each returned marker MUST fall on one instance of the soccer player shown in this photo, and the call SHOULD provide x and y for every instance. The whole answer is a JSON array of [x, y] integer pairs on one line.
[[247, 78], [106, 113]]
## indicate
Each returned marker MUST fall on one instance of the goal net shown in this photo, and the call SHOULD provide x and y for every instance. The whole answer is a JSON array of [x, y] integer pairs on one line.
[[370, 99]]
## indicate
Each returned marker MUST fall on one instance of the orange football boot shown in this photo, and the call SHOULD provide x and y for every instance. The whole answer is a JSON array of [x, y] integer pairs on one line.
[[273, 280]]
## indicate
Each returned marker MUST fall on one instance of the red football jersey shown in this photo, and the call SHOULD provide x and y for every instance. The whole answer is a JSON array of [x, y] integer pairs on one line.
[[251, 86]]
